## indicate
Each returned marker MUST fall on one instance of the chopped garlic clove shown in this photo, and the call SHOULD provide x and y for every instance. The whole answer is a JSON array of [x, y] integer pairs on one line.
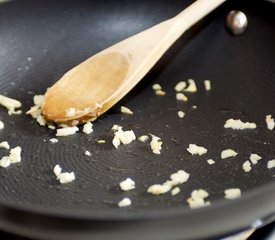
[[125, 137], [10, 104], [254, 158], [156, 87], [34, 111], [116, 127], [181, 114], [5, 162], [156, 144], [175, 191], [270, 122], [143, 138], [211, 161], [232, 193], [126, 110], [38, 100], [1, 125], [197, 199], [125, 202], [207, 85], [271, 164], [181, 97], [41, 120], [5, 144], [160, 93], [191, 87], [180, 86], [228, 153], [87, 153], [57, 170], [247, 166], [116, 142], [15, 154], [127, 184], [66, 131], [88, 128], [158, 189], [196, 150], [66, 177], [53, 140], [237, 124], [179, 177]]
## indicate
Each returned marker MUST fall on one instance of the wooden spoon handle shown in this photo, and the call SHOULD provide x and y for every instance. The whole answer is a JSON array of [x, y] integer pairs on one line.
[[194, 13]]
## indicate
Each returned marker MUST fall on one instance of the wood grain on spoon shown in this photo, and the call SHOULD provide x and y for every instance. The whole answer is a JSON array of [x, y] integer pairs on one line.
[[95, 85]]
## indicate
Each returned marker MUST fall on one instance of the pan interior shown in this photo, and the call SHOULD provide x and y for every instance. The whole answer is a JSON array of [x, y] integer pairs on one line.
[[40, 41]]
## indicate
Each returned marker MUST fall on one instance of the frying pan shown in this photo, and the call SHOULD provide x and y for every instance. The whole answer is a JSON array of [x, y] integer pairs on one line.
[[40, 40]]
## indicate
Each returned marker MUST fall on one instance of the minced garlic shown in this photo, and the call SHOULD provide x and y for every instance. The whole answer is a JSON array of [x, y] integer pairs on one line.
[[13, 157], [156, 87], [35, 111], [232, 193], [5, 162], [53, 140], [10, 104], [181, 97], [237, 124], [158, 189], [88, 128], [181, 114], [126, 110], [5, 144], [116, 127], [270, 122], [156, 144], [125, 202], [197, 199], [177, 178], [180, 86], [160, 92], [254, 158], [66, 131], [271, 164], [87, 153], [228, 153], [57, 170], [127, 184], [125, 137], [175, 191], [1, 125], [207, 85], [191, 86], [196, 150], [64, 177], [143, 138], [247, 166], [211, 161]]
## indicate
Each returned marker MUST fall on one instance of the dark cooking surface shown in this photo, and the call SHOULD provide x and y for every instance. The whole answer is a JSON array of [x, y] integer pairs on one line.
[[241, 71], [58, 35]]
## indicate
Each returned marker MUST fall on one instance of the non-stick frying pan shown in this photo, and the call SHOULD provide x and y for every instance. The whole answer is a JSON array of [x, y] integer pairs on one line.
[[40, 40]]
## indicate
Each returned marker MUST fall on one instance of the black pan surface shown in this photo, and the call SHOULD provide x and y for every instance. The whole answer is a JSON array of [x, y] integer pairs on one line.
[[41, 40]]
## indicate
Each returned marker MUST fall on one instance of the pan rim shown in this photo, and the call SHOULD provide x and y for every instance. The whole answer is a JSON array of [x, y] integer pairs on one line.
[[262, 192]]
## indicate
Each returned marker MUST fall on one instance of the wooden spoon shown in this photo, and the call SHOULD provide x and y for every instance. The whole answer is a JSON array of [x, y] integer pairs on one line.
[[95, 85]]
